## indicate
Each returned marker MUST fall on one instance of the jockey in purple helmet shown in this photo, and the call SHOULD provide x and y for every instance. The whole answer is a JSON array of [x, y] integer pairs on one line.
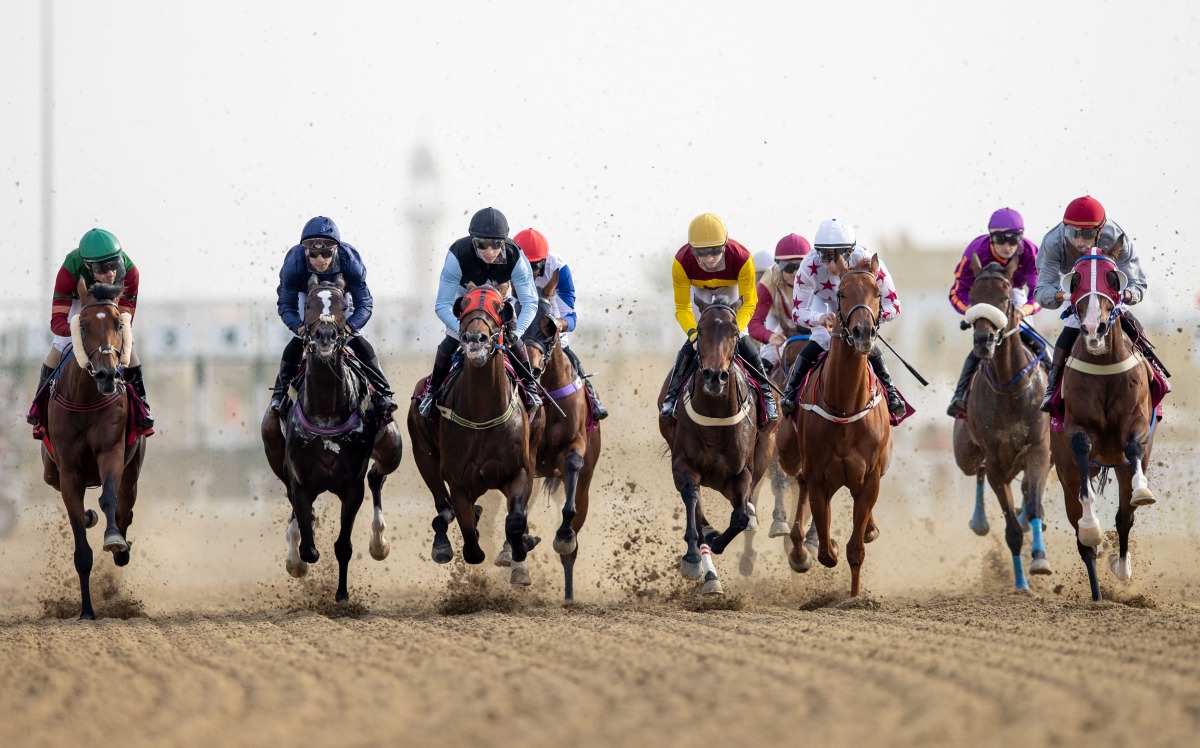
[[1004, 240]]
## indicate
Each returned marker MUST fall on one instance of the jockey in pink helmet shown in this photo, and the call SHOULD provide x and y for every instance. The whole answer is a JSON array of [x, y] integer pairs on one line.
[[772, 323]]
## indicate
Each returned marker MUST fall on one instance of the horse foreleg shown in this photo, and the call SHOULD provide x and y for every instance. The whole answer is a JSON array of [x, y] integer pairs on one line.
[[516, 528], [343, 548], [1141, 496], [302, 511], [72, 495], [827, 548], [1089, 531], [379, 543], [467, 516], [856, 549], [1033, 486], [564, 539], [689, 491], [1088, 554], [779, 489], [1013, 534], [110, 464], [127, 497], [1122, 563], [979, 521], [739, 518], [295, 567], [800, 557]]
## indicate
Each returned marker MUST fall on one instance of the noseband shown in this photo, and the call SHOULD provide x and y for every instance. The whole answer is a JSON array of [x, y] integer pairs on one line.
[[732, 311], [843, 320], [101, 349]]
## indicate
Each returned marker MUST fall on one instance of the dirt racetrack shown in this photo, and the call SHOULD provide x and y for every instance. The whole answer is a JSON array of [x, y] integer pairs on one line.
[[203, 639]]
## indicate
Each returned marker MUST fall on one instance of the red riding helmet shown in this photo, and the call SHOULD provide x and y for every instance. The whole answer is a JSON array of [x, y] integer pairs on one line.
[[1085, 212], [792, 247], [533, 244]]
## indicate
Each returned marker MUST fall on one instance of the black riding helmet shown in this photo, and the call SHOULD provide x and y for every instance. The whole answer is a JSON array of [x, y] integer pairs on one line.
[[489, 223]]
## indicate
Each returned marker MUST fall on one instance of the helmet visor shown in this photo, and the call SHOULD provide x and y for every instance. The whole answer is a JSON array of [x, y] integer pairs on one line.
[[1080, 237], [106, 266], [830, 252]]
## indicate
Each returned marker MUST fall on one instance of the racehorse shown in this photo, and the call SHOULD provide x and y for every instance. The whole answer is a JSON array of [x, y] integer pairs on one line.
[[1005, 432], [330, 435], [565, 446], [714, 439], [481, 439], [843, 427], [785, 463], [87, 424], [1108, 414]]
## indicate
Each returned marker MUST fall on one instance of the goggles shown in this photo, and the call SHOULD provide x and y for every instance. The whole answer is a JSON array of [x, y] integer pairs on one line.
[[481, 243], [539, 267], [789, 266], [708, 251], [1074, 233], [107, 266], [1006, 237], [829, 254], [319, 242]]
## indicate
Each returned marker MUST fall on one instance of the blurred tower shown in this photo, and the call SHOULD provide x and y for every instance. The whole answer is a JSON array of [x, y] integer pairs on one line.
[[420, 216]]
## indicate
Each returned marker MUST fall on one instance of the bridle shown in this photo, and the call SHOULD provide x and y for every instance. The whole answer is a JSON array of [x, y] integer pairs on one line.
[[844, 319], [709, 308], [101, 349]]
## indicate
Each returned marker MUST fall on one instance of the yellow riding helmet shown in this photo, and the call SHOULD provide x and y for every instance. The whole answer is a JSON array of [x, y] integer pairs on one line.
[[707, 231]]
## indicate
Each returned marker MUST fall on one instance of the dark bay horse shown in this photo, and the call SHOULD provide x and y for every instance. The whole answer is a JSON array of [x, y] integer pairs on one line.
[[331, 435], [480, 441], [714, 439], [1107, 413], [564, 445], [843, 428], [1005, 433], [87, 425]]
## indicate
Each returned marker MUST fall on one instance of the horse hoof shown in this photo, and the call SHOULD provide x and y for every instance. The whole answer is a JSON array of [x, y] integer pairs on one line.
[[114, 543], [90, 518], [311, 556], [530, 542], [812, 548], [871, 535], [690, 569], [802, 567], [380, 550], [1090, 536], [504, 558], [1040, 566], [442, 554], [779, 528], [121, 558], [518, 576], [1142, 497], [746, 563], [712, 585], [341, 596], [1122, 569], [978, 527], [752, 523], [296, 569], [474, 555], [565, 546], [87, 615]]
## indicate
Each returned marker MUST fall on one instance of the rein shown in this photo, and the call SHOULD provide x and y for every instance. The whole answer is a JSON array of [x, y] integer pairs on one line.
[[989, 312], [843, 321], [743, 403]]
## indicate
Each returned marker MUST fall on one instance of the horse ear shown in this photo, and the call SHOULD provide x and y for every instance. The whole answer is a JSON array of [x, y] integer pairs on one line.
[[1075, 279], [875, 263], [458, 305], [312, 281], [507, 312], [737, 304], [470, 287], [1117, 249], [551, 286], [549, 327], [976, 265], [340, 282], [702, 304], [1010, 269]]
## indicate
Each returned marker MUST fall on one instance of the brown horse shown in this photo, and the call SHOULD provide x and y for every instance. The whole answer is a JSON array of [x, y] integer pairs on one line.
[[714, 439], [481, 440], [1005, 433], [329, 437], [86, 425], [785, 465], [1108, 413], [565, 449], [843, 429]]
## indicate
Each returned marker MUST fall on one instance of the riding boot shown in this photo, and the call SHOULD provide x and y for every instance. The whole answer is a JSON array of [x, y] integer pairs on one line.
[[289, 363], [1035, 344], [42, 378], [749, 354], [958, 403], [383, 390], [1056, 370], [803, 365], [894, 403], [133, 376], [598, 410], [520, 360], [441, 367], [683, 365]]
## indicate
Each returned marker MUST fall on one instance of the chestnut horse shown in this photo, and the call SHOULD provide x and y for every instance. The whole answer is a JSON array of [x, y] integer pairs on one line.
[[1108, 413], [714, 439], [329, 438], [843, 428], [86, 425], [565, 450], [1005, 433], [481, 439]]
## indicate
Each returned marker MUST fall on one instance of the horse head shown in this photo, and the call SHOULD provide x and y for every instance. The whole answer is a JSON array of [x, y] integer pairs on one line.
[[991, 304], [860, 305], [1095, 287], [101, 336], [482, 314], [716, 342], [325, 318], [542, 336]]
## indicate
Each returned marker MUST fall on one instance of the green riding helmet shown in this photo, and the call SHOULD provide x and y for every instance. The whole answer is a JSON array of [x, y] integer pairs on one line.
[[99, 245]]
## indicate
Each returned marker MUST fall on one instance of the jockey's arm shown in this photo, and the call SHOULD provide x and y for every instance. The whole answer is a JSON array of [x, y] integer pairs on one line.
[[1132, 267], [527, 296], [566, 295], [802, 294], [747, 289], [60, 302], [683, 297], [964, 278], [449, 285], [288, 292], [890, 303], [1049, 270], [758, 321], [363, 303]]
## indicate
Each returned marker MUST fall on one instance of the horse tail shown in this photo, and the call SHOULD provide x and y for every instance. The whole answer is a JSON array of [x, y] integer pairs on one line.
[[551, 485]]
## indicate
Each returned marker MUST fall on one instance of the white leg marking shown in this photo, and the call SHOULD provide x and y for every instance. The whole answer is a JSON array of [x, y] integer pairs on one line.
[[1122, 567], [1142, 496], [292, 563], [379, 544], [1090, 532]]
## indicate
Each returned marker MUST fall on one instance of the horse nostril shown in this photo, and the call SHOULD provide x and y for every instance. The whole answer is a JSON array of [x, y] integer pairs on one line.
[[724, 377]]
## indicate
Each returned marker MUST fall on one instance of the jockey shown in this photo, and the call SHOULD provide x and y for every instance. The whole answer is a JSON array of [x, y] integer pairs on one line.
[[814, 305], [545, 266], [98, 259], [1005, 238], [1084, 227], [712, 262], [773, 315], [487, 254], [322, 252]]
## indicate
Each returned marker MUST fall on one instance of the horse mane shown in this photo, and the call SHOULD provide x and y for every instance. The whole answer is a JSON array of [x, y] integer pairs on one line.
[[105, 291]]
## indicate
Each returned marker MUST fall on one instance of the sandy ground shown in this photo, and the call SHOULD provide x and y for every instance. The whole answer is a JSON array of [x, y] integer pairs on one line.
[[204, 639]]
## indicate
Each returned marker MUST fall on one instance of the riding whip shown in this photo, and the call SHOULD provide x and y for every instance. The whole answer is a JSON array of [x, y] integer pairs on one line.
[[908, 366]]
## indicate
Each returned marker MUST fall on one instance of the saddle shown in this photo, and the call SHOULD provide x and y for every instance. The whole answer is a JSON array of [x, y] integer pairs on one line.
[[807, 395], [456, 369], [357, 368], [41, 407]]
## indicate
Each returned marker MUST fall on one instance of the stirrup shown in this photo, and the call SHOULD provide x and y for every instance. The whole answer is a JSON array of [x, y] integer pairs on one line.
[[957, 408], [895, 405], [31, 419], [425, 407], [668, 407], [147, 421], [599, 411]]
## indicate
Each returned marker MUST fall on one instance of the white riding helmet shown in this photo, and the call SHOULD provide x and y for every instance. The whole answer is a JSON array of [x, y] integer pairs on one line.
[[834, 234], [763, 261]]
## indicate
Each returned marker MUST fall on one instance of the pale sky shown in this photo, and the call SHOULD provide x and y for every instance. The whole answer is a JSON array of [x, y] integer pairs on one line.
[[205, 134]]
